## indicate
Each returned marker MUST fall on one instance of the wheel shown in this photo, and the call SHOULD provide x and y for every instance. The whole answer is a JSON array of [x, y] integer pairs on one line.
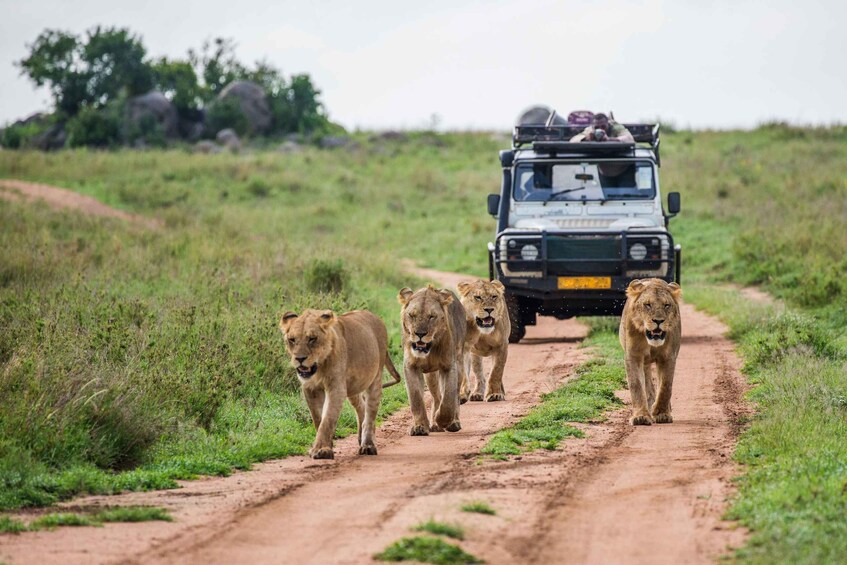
[[518, 330]]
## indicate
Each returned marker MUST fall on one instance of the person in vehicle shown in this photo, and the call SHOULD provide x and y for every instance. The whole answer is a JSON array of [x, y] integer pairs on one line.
[[604, 129]]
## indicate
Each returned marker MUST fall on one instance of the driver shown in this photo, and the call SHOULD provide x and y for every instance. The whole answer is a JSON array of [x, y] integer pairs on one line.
[[604, 129]]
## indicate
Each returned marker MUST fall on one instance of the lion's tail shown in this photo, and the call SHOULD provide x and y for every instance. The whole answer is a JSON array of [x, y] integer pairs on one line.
[[391, 369]]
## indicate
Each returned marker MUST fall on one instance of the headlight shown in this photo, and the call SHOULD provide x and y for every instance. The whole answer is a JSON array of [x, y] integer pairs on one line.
[[529, 252], [637, 252]]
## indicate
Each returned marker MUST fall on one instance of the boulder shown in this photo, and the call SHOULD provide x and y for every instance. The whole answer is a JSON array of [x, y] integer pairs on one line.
[[54, 137], [289, 147], [229, 139], [334, 142], [206, 146], [154, 105], [253, 101]]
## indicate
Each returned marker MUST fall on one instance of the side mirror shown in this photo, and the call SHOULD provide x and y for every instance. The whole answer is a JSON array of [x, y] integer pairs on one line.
[[507, 157], [673, 203], [493, 204]]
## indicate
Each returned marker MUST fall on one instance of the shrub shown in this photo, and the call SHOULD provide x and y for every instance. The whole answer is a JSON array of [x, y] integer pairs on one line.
[[326, 276], [95, 128], [224, 114]]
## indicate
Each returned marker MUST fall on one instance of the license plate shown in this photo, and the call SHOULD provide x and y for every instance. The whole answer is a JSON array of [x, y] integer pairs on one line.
[[571, 283]]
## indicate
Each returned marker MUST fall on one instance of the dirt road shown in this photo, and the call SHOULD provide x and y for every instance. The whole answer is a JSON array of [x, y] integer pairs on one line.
[[623, 495]]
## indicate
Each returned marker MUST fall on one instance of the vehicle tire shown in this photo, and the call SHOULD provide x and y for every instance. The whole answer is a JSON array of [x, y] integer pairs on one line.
[[518, 330]]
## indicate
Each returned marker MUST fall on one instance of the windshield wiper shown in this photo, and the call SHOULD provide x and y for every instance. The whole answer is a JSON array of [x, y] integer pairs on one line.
[[567, 190]]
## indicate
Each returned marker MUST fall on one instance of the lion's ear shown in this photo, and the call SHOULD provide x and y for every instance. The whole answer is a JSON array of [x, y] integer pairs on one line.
[[676, 290], [499, 286], [635, 288], [444, 296], [327, 318], [464, 288], [405, 295], [286, 321]]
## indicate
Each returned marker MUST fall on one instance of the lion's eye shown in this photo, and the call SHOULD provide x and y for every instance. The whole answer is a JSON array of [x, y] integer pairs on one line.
[[312, 340], [648, 306], [667, 307], [431, 317], [477, 298], [291, 340]]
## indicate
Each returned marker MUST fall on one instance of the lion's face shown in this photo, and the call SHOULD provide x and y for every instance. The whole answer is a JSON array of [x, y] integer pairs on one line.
[[655, 308], [485, 301], [308, 339], [424, 317]]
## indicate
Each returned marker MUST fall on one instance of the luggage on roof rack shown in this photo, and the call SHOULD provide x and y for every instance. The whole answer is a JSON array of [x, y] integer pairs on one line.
[[523, 134]]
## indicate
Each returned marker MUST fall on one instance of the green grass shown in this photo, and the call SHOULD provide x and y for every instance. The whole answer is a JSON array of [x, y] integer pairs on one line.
[[52, 521], [454, 531], [57, 519], [11, 526], [426, 550], [133, 514], [478, 507], [583, 399]]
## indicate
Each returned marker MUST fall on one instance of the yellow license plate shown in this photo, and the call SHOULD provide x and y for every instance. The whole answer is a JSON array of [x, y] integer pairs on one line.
[[571, 283]]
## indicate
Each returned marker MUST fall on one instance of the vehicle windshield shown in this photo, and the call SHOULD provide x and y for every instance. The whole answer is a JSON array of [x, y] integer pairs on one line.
[[606, 180]]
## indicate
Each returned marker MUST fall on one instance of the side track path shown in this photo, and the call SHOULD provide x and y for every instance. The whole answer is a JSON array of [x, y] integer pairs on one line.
[[60, 198]]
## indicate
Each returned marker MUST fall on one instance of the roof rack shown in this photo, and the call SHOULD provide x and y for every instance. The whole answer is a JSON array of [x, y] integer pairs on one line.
[[555, 138]]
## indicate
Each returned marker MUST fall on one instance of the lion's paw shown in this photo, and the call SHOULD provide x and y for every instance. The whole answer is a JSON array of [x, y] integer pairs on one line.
[[496, 397], [454, 426], [435, 428], [663, 418], [463, 398], [641, 420], [418, 431], [476, 397], [323, 453], [369, 449]]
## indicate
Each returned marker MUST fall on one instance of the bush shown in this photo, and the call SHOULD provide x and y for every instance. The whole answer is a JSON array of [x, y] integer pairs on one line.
[[326, 276], [20, 136], [226, 114], [94, 128]]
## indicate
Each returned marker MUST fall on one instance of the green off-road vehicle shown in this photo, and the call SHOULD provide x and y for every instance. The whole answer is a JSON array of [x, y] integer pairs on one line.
[[577, 221]]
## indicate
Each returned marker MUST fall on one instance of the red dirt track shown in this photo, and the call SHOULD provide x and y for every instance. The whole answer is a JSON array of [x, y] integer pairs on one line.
[[622, 495]]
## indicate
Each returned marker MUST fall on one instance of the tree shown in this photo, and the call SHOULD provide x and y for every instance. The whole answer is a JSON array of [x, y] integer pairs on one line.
[[110, 63], [217, 65], [54, 61], [177, 80], [115, 64]]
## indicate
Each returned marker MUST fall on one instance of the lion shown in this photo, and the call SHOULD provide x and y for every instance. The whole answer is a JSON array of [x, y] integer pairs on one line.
[[488, 336], [338, 357], [434, 327], [650, 332]]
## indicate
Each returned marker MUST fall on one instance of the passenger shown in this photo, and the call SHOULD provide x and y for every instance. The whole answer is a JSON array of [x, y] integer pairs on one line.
[[604, 129]]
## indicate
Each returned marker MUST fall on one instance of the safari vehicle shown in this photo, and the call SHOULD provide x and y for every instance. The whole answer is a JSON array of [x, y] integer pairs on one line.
[[576, 222]]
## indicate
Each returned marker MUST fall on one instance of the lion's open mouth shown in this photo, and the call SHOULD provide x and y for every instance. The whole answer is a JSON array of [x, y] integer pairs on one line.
[[656, 335], [305, 372], [487, 322], [421, 347]]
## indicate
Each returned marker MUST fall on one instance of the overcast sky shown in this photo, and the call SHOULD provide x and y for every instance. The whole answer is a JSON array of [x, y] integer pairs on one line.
[[477, 64]]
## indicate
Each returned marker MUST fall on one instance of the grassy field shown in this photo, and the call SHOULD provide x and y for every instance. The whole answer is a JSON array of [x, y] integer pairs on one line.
[[130, 357]]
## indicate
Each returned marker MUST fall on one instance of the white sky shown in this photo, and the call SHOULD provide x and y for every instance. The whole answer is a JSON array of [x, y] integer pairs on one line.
[[477, 64]]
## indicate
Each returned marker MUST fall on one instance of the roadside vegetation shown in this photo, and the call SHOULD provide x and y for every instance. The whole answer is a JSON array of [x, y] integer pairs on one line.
[[131, 357], [424, 549], [478, 507], [56, 519], [454, 531]]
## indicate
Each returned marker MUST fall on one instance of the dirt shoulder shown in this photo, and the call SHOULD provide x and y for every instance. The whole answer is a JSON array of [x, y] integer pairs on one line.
[[651, 494]]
